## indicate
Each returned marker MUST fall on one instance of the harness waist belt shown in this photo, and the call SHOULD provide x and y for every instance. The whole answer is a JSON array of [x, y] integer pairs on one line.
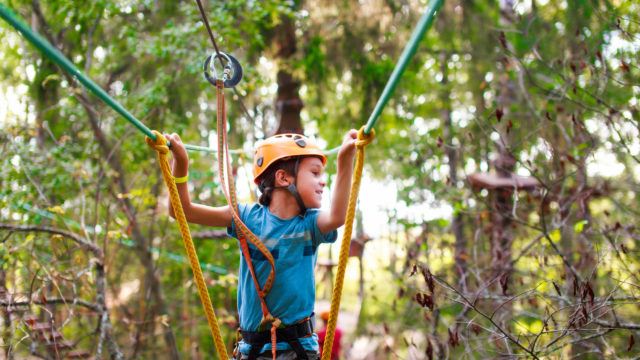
[[285, 334]]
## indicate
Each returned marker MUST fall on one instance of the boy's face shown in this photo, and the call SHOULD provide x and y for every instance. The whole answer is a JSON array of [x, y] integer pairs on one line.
[[311, 181]]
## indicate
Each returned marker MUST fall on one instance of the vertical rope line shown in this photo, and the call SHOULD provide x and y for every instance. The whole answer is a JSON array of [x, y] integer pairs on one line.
[[363, 140], [162, 149], [243, 231]]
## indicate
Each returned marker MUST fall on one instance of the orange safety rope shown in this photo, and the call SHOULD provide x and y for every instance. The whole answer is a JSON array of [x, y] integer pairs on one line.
[[244, 233]]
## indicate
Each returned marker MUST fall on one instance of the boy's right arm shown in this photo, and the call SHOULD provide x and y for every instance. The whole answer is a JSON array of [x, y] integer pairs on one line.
[[219, 216]]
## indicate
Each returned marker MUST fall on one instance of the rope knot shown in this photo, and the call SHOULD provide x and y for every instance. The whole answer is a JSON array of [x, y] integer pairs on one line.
[[159, 144], [364, 139], [269, 319]]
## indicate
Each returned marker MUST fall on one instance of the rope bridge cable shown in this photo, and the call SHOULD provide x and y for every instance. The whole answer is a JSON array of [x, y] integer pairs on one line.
[[205, 21], [363, 140], [365, 136], [410, 49]]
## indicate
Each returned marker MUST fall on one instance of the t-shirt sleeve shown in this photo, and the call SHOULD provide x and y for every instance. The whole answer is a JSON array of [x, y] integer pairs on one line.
[[242, 211], [318, 236]]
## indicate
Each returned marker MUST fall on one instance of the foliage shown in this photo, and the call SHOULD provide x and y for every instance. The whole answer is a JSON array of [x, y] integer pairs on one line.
[[545, 90]]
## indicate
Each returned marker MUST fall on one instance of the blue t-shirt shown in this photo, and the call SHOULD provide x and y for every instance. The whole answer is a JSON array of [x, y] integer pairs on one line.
[[293, 244]]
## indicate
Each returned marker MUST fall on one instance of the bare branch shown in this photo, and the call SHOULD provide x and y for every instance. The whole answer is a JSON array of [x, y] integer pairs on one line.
[[468, 303], [51, 230], [8, 303], [211, 234], [628, 326]]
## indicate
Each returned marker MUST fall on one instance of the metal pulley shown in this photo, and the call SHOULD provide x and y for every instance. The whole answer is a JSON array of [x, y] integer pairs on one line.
[[231, 72]]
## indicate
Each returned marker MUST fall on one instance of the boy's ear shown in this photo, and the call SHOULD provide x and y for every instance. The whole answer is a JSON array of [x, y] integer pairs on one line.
[[282, 178]]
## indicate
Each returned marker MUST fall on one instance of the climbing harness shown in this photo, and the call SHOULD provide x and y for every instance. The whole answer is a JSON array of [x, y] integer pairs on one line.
[[289, 334]]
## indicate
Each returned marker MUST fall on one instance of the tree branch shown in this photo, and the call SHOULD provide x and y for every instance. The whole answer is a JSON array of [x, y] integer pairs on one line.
[[51, 230], [628, 326], [211, 235], [89, 305], [468, 303]]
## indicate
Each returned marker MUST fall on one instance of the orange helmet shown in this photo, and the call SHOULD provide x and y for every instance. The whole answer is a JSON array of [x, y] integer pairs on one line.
[[281, 146]]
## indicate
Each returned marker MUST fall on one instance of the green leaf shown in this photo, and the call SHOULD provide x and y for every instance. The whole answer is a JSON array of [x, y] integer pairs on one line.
[[579, 226]]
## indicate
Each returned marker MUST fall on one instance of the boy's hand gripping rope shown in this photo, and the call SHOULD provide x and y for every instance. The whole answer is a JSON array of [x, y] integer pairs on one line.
[[363, 140], [244, 233], [160, 145]]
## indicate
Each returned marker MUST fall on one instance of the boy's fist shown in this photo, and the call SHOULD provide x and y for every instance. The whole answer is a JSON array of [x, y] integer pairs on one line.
[[180, 157], [348, 148]]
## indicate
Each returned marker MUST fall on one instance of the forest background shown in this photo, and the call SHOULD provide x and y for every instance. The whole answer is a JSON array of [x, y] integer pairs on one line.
[[499, 195]]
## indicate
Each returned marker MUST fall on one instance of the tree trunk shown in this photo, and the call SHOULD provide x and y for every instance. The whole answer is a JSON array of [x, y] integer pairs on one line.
[[6, 333], [106, 329], [452, 157], [504, 164], [288, 102], [502, 208]]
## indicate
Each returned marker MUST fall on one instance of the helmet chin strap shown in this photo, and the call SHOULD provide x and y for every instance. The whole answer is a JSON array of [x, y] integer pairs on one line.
[[294, 190]]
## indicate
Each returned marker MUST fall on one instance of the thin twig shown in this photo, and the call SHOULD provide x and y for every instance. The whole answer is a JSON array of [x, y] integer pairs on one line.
[[508, 336]]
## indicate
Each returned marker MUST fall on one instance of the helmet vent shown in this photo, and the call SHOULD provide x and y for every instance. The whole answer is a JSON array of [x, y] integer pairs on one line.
[[260, 161], [300, 142]]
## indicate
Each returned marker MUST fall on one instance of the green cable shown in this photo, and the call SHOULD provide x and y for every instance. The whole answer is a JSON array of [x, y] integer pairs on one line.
[[410, 49], [54, 54]]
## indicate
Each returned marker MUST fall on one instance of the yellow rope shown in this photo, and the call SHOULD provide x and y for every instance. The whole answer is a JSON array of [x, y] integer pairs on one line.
[[363, 140], [160, 145]]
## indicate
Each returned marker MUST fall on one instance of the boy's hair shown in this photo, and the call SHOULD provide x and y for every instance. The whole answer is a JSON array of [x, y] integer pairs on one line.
[[267, 181]]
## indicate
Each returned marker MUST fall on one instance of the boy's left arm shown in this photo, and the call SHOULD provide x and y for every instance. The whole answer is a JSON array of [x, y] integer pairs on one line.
[[335, 217]]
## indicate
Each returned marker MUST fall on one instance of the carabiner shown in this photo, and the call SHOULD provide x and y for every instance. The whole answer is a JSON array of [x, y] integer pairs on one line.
[[232, 71]]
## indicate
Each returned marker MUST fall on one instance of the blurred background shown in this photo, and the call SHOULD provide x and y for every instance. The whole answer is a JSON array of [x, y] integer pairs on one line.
[[496, 216]]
